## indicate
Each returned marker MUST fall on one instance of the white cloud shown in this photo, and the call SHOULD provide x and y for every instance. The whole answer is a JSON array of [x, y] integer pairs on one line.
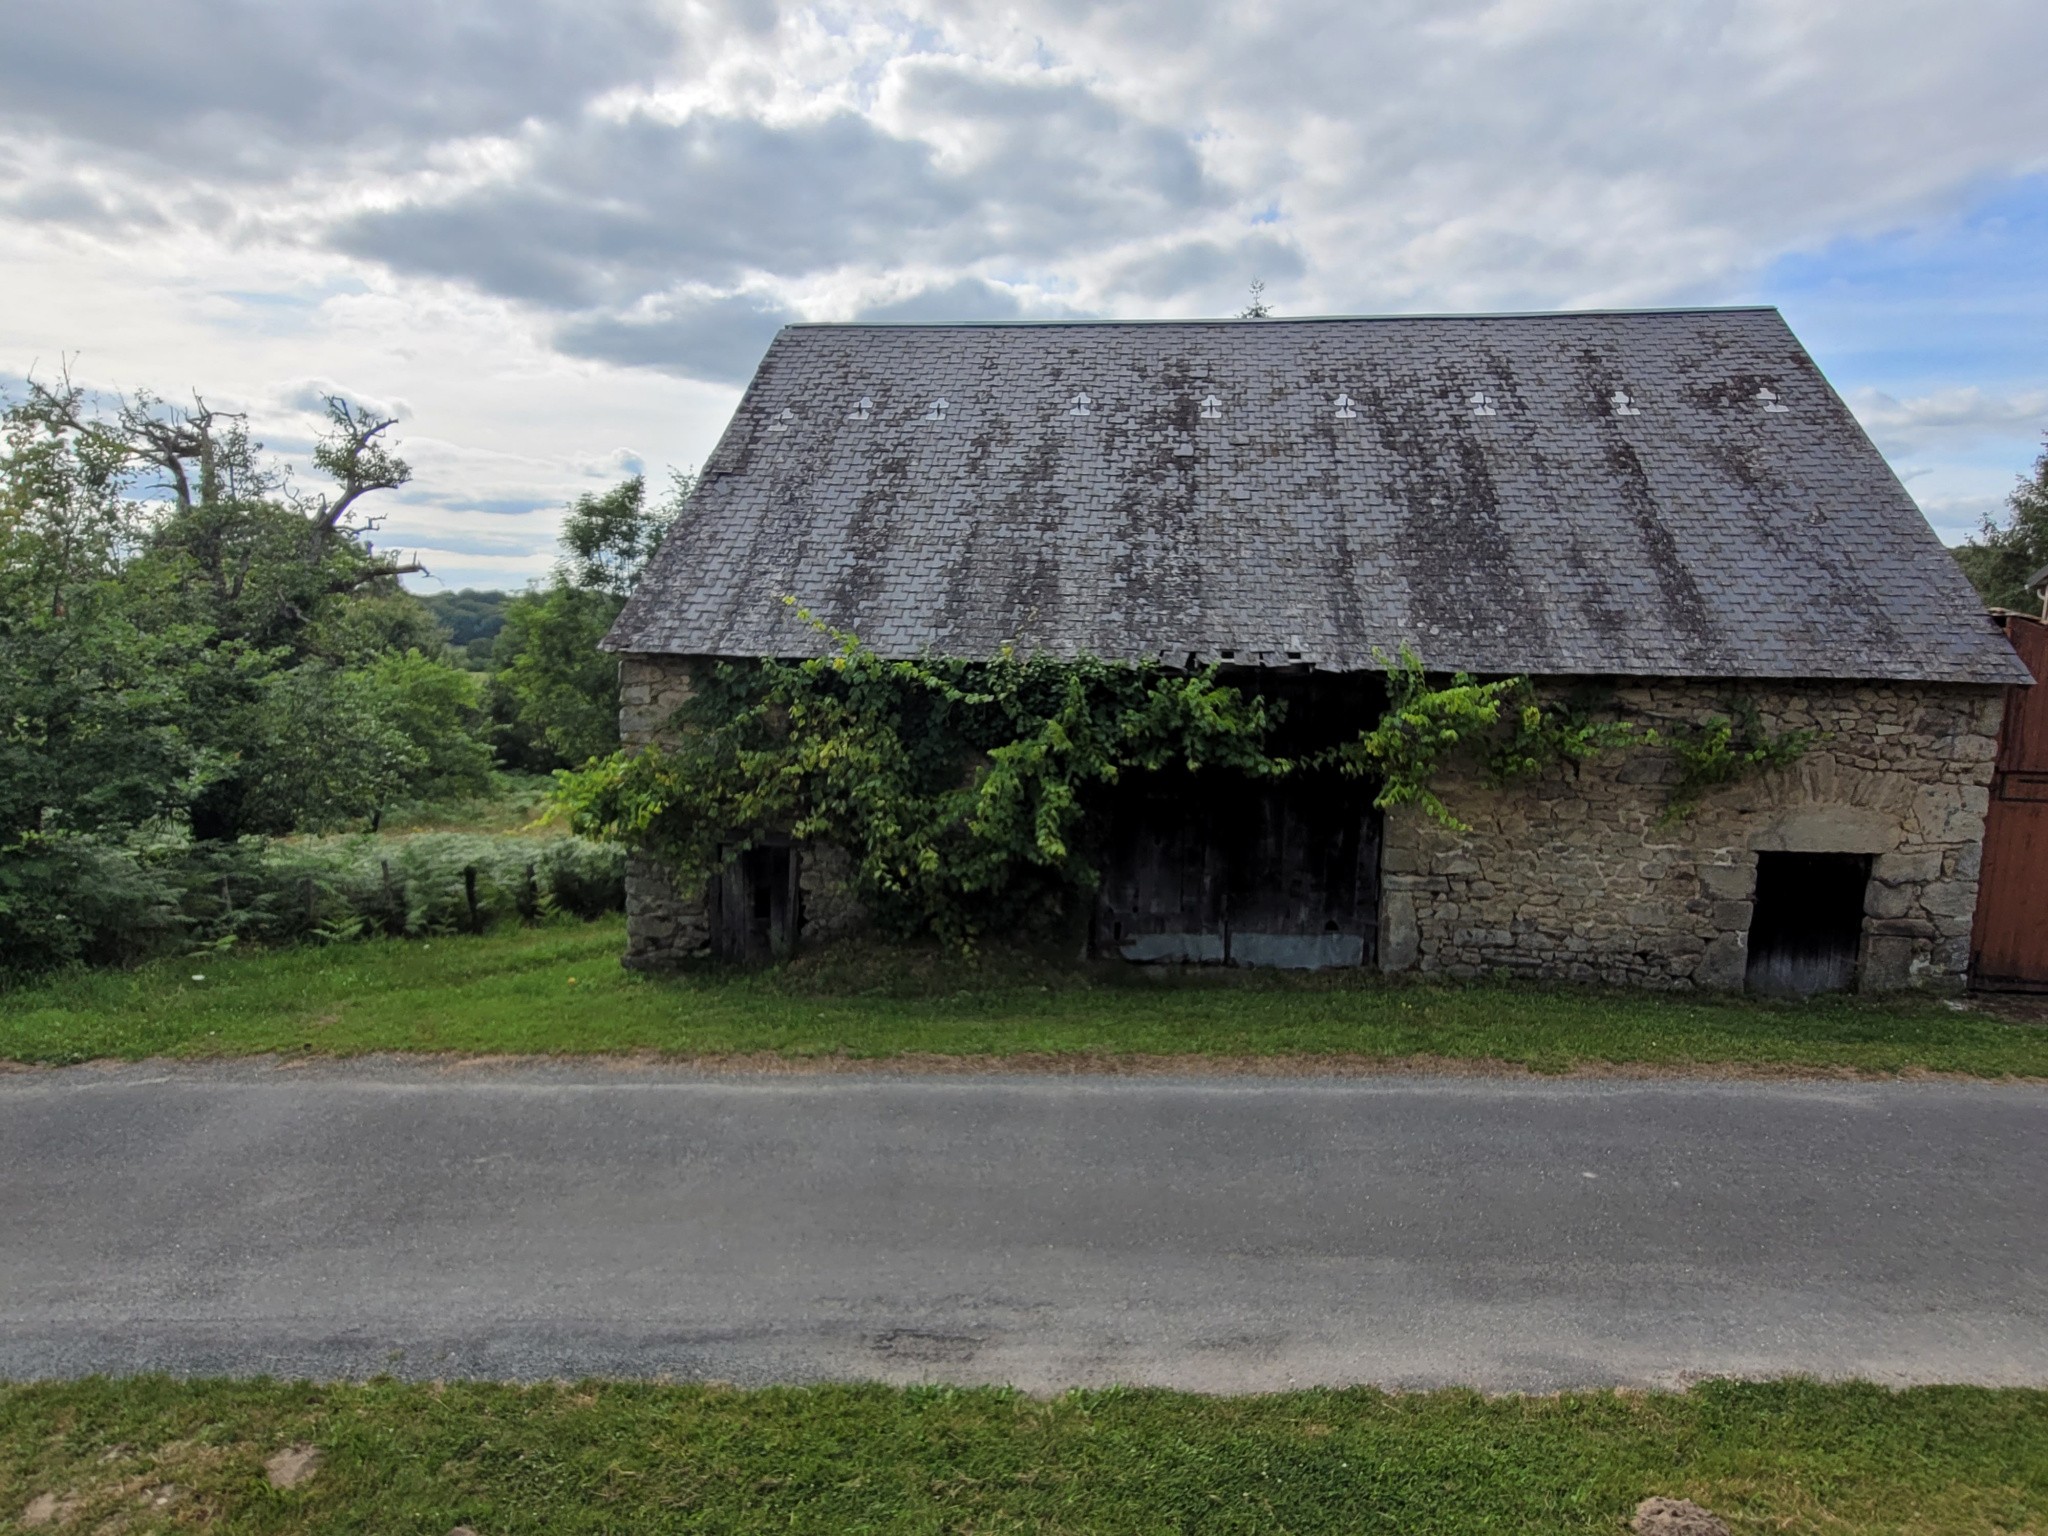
[[535, 222], [1950, 418], [310, 396], [1957, 518]]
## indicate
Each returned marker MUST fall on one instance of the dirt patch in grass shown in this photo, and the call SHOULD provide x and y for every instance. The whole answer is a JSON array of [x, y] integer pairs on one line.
[[118, 1488], [1676, 1517], [292, 1465], [47, 1509]]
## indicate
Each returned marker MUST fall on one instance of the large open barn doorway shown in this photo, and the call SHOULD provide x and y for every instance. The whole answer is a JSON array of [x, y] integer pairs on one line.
[[1242, 873], [1219, 869]]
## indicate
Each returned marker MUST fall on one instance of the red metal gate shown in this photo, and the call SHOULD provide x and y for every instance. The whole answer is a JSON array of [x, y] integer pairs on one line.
[[2009, 945]]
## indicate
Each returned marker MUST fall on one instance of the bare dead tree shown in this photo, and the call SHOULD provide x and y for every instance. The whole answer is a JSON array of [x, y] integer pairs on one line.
[[204, 456], [354, 456], [207, 459]]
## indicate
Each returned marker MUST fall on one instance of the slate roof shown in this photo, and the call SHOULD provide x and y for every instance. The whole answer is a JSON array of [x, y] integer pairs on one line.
[[1656, 493]]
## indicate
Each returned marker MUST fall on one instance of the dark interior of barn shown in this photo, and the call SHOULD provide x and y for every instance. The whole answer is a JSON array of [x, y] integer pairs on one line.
[[1218, 868], [1808, 922]]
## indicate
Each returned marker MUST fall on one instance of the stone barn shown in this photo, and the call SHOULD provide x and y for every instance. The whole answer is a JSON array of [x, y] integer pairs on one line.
[[1672, 507]]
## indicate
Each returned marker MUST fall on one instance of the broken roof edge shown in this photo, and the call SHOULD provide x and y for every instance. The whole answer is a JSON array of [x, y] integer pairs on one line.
[[1104, 321], [1178, 660]]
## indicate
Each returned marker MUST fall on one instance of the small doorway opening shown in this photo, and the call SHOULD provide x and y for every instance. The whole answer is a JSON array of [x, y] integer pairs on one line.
[[1808, 924], [754, 906]]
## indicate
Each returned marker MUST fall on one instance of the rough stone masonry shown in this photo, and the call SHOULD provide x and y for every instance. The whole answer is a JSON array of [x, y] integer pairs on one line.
[[1579, 876]]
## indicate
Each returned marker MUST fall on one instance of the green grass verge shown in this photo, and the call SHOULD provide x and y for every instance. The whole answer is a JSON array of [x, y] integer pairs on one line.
[[559, 989], [398, 1459]]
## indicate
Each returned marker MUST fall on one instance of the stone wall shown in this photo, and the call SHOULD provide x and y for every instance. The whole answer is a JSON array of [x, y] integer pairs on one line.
[[664, 925], [1576, 876]]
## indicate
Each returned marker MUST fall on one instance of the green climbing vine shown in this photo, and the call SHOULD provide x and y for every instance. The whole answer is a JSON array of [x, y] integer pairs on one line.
[[968, 794], [1422, 728], [1516, 734], [1725, 750], [1505, 724], [1562, 732], [962, 791]]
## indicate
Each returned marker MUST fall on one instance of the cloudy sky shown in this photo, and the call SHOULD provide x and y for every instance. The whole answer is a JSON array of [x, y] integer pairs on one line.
[[554, 235]]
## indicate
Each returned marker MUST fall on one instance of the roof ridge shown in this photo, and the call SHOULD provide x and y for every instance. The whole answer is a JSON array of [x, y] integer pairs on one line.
[[1107, 321]]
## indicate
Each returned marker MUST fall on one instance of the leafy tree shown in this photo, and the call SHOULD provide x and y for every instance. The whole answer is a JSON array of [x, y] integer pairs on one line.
[[556, 695], [256, 558], [561, 691], [275, 580], [2004, 555], [607, 538], [438, 709], [188, 637], [470, 620], [339, 745], [330, 757], [94, 659]]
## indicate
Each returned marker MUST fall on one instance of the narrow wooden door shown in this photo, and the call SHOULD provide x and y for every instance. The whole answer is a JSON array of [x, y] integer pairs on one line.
[[2009, 946]]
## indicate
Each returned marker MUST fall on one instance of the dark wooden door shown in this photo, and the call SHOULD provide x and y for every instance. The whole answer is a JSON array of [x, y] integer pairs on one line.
[[1229, 871], [753, 905], [2009, 946]]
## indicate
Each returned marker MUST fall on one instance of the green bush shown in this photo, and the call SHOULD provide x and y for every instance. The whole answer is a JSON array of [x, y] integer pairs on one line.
[[78, 900], [68, 899]]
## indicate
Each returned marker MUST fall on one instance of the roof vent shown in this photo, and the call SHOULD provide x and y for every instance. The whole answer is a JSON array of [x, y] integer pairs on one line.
[[1345, 407], [781, 423], [1212, 408], [1768, 399], [862, 410], [937, 411], [1482, 404], [1081, 405], [1618, 403]]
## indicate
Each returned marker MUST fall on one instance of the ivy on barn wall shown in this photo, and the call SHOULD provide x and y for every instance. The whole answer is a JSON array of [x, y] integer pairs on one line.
[[961, 790], [967, 793]]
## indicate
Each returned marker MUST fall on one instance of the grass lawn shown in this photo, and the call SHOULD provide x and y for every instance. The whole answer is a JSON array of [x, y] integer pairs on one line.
[[559, 988], [155, 1455]]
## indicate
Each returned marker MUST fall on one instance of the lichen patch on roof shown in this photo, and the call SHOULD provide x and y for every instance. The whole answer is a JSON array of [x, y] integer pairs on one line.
[[1662, 493]]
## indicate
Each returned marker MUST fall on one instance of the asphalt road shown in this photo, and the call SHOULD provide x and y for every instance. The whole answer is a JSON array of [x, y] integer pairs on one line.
[[1218, 1234]]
